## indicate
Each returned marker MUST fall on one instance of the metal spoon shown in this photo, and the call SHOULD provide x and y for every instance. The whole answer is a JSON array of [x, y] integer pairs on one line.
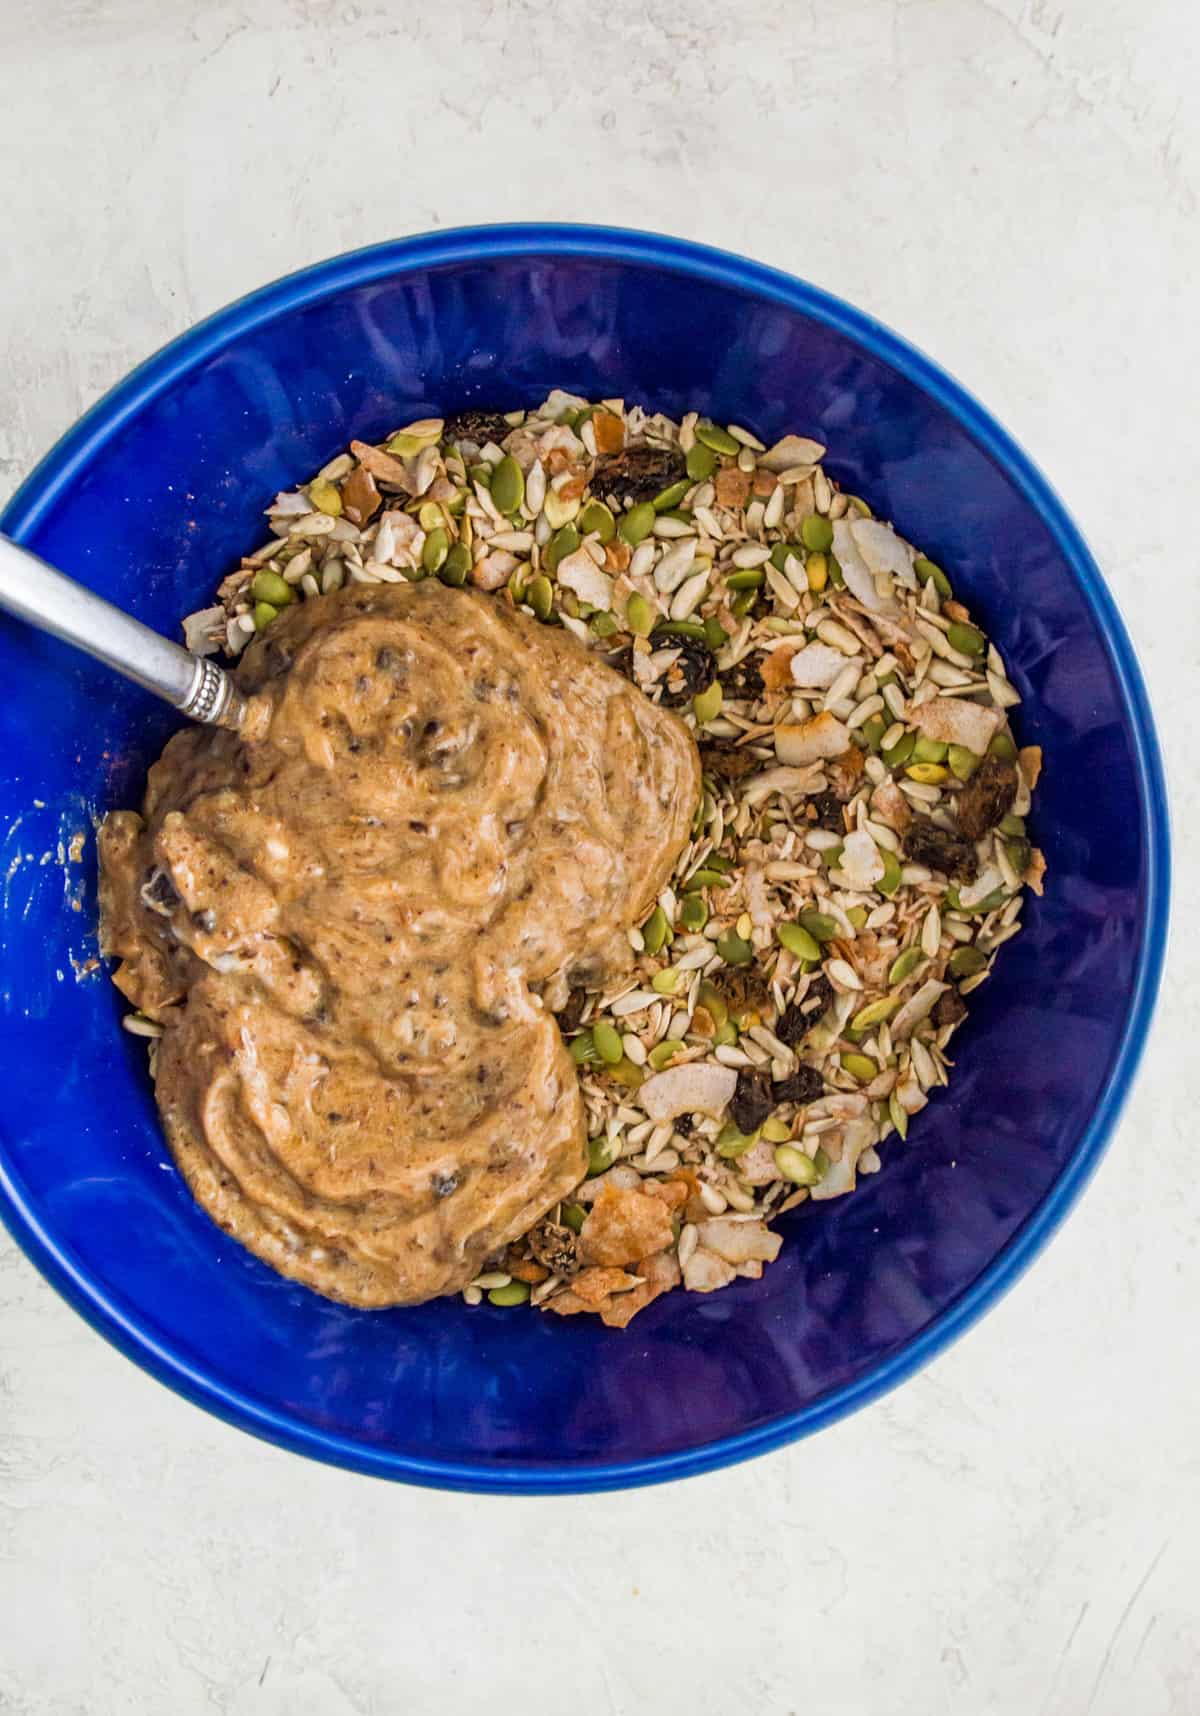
[[35, 592]]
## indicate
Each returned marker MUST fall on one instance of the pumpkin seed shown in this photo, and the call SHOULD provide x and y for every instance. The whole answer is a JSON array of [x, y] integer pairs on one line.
[[963, 762], [429, 515], [671, 496], [637, 523], [656, 931], [898, 1114], [707, 705], [693, 913], [858, 916], [925, 570], [929, 750], [608, 1042], [775, 1131], [667, 982], [713, 436], [751, 579], [435, 551], [816, 533], [680, 629], [456, 566], [715, 635], [264, 613], [904, 965], [562, 543], [574, 1216], [508, 485], [582, 1049], [1011, 824], [892, 873], [639, 615], [794, 1166], [325, 496], [558, 509], [965, 639], [861, 1067], [701, 462], [596, 519], [927, 774], [540, 596], [798, 940], [785, 551], [874, 1013], [604, 625], [1003, 746], [270, 588], [966, 962], [731, 1143], [663, 1053], [516, 1293], [836, 576], [735, 950], [816, 569]]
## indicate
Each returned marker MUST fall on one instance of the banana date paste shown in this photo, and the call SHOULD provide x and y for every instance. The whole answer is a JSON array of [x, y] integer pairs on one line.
[[350, 918]]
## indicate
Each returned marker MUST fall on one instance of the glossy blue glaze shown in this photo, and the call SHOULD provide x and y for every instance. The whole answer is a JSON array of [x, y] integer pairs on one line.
[[153, 495]]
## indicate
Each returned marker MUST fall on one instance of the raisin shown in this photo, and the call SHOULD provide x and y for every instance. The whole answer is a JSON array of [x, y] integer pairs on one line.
[[987, 797], [803, 1086], [743, 681], [476, 426], [752, 1101], [694, 667], [824, 810], [726, 763], [637, 473], [572, 1013], [798, 1020], [939, 849], [553, 1244], [949, 1009]]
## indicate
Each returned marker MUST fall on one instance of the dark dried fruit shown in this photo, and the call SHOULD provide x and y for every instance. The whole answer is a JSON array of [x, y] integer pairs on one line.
[[798, 1020], [571, 1015], [444, 1185], [938, 849], [726, 763], [477, 426], [744, 990], [553, 1244], [743, 681], [987, 797], [684, 1125], [949, 1009], [752, 1101], [802, 1086], [637, 473], [824, 810], [159, 893], [693, 671]]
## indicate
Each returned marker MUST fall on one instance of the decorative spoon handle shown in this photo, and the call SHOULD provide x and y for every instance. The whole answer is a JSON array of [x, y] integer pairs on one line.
[[35, 592]]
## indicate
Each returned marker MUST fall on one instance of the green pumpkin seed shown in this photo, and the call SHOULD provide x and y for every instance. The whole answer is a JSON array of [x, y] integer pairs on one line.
[[836, 576], [798, 940], [573, 1216], [966, 962], [680, 629], [663, 1053], [582, 1049], [270, 587], [608, 1041], [929, 750], [562, 543], [707, 876], [707, 705], [821, 926], [751, 578], [898, 754], [816, 570], [508, 485], [456, 565], [710, 998], [481, 474], [604, 625], [925, 570], [325, 496], [639, 616], [775, 1131], [734, 950], [731, 1143], [1002, 746], [890, 880], [861, 1067], [601, 1154], [831, 857], [816, 532], [671, 496], [905, 964], [898, 1115], [963, 762], [874, 1013], [637, 523], [1019, 852], [540, 596], [726, 1035], [794, 1166], [873, 731], [1011, 825], [437, 547], [558, 509], [927, 774], [965, 639], [858, 915], [693, 913], [429, 515], [715, 635], [720, 440], [597, 519], [667, 981], [785, 551], [742, 603], [656, 931], [264, 613], [701, 462], [516, 1293]]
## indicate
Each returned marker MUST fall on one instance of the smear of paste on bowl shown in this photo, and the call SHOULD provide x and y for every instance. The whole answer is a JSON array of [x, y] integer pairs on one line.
[[348, 917]]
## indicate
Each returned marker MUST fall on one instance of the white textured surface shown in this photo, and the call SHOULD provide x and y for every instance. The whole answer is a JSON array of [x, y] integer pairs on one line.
[[1012, 183]]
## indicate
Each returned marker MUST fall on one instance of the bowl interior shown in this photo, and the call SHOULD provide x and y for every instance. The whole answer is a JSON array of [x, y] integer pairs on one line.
[[151, 503]]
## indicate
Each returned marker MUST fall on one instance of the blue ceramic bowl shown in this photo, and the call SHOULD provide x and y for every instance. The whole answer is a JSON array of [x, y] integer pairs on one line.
[[152, 496]]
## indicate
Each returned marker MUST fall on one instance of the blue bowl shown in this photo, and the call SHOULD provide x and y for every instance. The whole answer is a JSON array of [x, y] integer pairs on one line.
[[152, 496]]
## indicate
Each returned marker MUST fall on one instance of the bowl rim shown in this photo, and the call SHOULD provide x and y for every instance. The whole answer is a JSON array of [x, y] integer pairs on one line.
[[133, 1335]]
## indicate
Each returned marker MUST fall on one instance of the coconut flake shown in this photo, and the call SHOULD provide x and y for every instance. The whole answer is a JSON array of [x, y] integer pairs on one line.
[[860, 862], [817, 666], [792, 450], [957, 721], [882, 549], [580, 573], [808, 741], [697, 1087], [860, 580]]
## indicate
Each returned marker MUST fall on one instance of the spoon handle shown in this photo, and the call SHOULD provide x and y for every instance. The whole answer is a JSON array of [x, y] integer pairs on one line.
[[35, 592]]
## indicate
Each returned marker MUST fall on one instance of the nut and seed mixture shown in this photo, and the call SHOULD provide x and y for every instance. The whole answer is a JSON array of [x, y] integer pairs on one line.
[[857, 858]]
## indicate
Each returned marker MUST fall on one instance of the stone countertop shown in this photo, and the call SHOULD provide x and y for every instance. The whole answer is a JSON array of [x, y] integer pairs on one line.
[[1012, 184]]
